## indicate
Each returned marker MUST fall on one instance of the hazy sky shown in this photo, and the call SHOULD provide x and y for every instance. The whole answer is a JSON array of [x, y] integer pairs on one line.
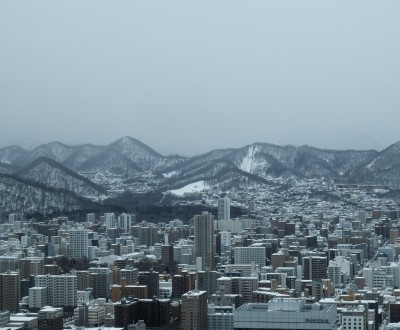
[[190, 76]]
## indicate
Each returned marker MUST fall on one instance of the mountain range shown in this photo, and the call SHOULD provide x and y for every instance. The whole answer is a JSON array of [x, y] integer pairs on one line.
[[67, 170]]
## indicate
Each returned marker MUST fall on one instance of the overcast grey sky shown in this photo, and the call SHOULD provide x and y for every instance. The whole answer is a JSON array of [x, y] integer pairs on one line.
[[190, 76]]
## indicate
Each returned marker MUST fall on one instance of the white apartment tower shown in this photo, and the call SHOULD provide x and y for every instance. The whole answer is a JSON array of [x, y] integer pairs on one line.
[[61, 289], [125, 222], [109, 220], [224, 208], [78, 243]]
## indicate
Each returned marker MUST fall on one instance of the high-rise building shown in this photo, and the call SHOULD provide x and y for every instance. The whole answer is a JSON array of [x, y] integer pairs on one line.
[[334, 273], [224, 208], [8, 263], [194, 310], [226, 242], [89, 316], [125, 222], [130, 274], [61, 289], [125, 313], [91, 217], [244, 286], [151, 279], [109, 220], [182, 283], [37, 297], [204, 246], [13, 217], [207, 281], [78, 243], [314, 267], [9, 291], [100, 281], [154, 312], [31, 266]]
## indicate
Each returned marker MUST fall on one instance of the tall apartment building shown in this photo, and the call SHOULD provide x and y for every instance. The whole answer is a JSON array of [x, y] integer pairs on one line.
[[125, 313], [207, 281], [91, 217], [9, 263], [204, 245], [130, 274], [194, 310], [125, 221], [89, 316], [154, 312], [182, 283], [31, 266], [78, 243], [100, 281], [226, 242], [109, 220], [224, 208], [238, 285], [9, 291], [151, 279], [61, 289], [37, 297], [314, 267], [147, 235], [13, 217], [334, 273]]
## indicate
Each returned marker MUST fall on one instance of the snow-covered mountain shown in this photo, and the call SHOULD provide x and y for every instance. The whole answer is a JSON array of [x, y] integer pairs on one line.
[[25, 196], [55, 175], [265, 161], [382, 169], [126, 155], [10, 154], [304, 162], [130, 164]]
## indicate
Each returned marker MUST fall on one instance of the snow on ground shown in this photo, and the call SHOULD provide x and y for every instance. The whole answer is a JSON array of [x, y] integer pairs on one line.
[[169, 174], [190, 188], [247, 162], [373, 162]]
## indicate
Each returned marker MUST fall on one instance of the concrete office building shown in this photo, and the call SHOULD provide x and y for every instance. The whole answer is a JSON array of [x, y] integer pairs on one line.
[[314, 267], [285, 313], [250, 254], [220, 317]]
